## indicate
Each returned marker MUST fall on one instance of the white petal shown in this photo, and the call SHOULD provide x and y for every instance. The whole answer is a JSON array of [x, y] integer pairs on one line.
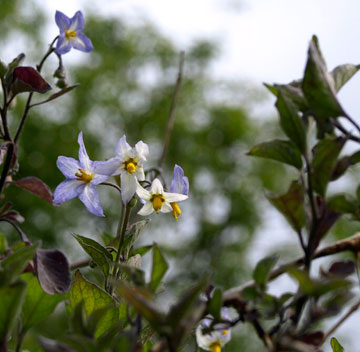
[[122, 148], [90, 198], [84, 159], [157, 187], [142, 192], [142, 150], [174, 197], [140, 175], [146, 209], [67, 190], [128, 186], [166, 208]]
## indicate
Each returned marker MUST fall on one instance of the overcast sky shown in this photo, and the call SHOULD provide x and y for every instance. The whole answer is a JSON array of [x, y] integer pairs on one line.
[[260, 40]]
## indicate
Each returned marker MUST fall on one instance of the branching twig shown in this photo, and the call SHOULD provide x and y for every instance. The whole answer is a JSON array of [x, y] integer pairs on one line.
[[352, 309], [349, 244], [171, 120]]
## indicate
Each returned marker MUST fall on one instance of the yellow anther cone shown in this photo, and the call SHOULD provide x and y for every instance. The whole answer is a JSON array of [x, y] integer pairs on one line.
[[215, 347]]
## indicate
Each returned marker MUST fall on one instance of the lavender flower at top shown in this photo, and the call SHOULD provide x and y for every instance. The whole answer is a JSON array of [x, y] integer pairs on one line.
[[82, 177], [179, 184], [71, 35]]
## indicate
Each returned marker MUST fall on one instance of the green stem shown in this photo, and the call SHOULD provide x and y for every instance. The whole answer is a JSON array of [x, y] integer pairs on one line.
[[125, 216]]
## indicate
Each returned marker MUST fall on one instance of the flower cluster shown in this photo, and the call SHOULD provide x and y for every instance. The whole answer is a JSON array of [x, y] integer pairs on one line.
[[83, 176]]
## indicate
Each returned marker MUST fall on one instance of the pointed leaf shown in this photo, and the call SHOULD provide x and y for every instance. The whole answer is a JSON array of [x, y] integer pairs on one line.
[[27, 79], [326, 153], [283, 151], [318, 85], [335, 345], [97, 252], [16, 263], [94, 298], [263, 270], [35, 186], [56, 95], [159, 268], [341, 74], [37, 305], [343, 203], [141, 300], [11, 298], [215, 304], [291, 205], [53, 271], [344, 163], [290, 121], [131, 235]]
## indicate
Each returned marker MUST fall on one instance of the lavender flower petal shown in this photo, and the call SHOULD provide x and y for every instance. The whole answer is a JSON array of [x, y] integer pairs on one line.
[[82, 42], [84, 159], [128, 187], [67, 190], [62, 21], [63, 45], [77, 22], [90, 198], [68, 166]]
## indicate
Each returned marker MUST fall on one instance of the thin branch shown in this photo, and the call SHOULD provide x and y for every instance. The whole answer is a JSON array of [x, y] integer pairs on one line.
[[341, 128], [348, 117], [352, 309], [171, 120], [80, 264], [111, 185], [349, 244], [7, 165]]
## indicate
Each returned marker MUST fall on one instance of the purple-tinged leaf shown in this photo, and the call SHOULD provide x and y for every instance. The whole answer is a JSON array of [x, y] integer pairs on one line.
[[341, 268], [27, 79], [314, 338], [291, 205], [36, 186], [53, 271]]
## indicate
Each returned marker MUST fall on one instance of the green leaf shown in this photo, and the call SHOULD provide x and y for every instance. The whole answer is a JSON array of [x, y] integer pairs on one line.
[[263, 270], [215, 304], [3, 244], [290, 121], [343, 203], [11, 298], [97, 252], [336, 347], [38, 304], [293, 92], [344, 163], [141, 250], [318, 85], [159, 268], [3, 69], [56, 95], [141, 300], [131, 235], [341, 74], [291, 205], [94, 298], [283, 151], [15, 264], [326, 153]]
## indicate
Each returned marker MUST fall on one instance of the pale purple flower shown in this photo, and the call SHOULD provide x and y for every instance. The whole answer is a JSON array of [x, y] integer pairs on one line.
[[130, 166], [156, 199], [82, 177], [71, 35], [179, 184]]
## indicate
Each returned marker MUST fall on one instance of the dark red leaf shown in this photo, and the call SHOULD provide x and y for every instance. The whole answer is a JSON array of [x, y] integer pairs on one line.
[[27, 79], [53, 271], [341, 268], [36, 186], [315, 338]]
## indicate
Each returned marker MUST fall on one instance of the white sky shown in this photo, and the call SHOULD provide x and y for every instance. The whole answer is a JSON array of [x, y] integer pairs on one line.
[[261, 40]]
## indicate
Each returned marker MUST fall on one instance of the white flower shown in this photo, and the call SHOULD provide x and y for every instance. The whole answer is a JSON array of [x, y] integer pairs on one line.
[[216, 338], [156, 199], [130, 166]]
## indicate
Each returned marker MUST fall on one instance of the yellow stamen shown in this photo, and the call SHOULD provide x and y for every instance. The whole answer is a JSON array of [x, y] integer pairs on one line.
[[70, 34], [84, 176], [130, 167], [176, 212], [225, 332], [157, 201], [215, 347]]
